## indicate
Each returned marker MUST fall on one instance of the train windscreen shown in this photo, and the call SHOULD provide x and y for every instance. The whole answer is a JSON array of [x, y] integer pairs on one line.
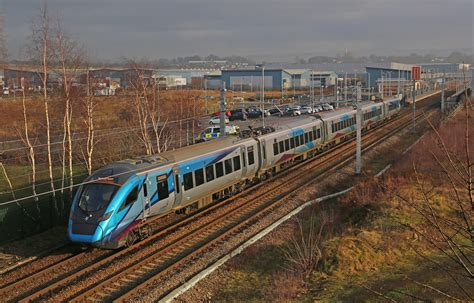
[[96, 196]]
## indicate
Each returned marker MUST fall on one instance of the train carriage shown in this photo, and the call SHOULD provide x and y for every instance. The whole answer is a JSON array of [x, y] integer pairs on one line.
[[221, 172], [372, 114], [294, 141], [391, 108], [339, 127]]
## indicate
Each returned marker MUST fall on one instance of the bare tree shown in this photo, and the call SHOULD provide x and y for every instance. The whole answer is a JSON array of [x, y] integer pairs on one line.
[[304, 251], [138, 82], [70, 57], [41, 50], [89, 102], [31, 150]]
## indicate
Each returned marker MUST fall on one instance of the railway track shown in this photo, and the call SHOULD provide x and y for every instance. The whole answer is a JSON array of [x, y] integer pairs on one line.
[[123, 274]]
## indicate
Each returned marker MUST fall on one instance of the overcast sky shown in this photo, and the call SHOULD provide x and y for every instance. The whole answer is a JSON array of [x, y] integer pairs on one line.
[[256, 28]]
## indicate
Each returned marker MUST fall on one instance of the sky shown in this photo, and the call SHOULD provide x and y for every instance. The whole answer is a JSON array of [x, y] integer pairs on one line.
[[258, 29]]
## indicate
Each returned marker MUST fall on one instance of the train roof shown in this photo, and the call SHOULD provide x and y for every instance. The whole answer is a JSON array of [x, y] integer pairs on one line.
[[203, 148]]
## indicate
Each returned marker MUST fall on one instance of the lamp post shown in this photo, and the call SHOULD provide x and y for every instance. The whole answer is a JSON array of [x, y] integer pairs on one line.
[[205, 93]]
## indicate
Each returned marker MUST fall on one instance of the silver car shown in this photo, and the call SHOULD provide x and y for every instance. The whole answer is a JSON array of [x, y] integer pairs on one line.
[[306, 109]]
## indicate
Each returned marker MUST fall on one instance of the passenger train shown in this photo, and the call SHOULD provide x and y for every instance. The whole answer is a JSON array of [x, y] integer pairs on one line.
[[111, 208]]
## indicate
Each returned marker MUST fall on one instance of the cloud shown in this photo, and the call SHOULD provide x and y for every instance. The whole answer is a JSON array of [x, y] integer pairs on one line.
[[114, 28]]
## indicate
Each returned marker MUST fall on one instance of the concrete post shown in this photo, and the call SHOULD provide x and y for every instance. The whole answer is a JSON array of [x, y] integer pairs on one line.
[[414, 105], [442, 95], [358, 167]]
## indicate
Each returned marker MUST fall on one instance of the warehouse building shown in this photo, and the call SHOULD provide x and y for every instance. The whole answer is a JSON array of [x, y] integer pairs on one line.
[[323, 78], [274, 78]]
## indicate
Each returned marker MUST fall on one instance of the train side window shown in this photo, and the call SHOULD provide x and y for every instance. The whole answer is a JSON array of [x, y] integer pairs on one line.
[[228, 166], [287, 144], [301, 139], [219, 169], [319, 133], [132, 197], [199, 176], [244, 160], [281, 146], [292, 142], [306, 137], [176, 184], [297, 141], [162, 189], [275, 149], [311, 136], [236, 163], [209, 173], [188, 181], [145, 191], [251, 157]]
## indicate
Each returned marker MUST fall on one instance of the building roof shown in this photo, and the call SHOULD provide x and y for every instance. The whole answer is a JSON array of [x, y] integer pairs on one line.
[[295, 71]]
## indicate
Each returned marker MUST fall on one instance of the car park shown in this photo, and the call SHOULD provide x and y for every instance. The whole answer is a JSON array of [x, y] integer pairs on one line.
[[217, 120]]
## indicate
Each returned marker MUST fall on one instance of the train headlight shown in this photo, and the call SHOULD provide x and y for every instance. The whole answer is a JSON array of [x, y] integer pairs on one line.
[[106, 216]]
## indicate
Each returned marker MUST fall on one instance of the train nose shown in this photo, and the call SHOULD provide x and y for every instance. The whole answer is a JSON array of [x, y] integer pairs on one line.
[[84, 226]]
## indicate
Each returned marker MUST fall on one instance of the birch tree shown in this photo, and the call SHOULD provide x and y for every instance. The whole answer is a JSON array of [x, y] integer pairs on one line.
[[41, 51], [70, 57], [89, 103]]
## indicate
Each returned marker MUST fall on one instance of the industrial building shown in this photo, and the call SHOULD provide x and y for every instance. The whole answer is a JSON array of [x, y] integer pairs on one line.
[[396, 77], [323, 78], [274, 78]]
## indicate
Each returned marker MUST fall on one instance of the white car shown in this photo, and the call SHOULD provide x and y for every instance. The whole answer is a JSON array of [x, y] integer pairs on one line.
[[306, 110], [327, 107], [217, 120]]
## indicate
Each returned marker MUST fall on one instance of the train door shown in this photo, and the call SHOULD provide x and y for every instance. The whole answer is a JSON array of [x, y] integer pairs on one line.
[[163, 197], [178, 189], [147, 188], [264, 153], [244, 160]]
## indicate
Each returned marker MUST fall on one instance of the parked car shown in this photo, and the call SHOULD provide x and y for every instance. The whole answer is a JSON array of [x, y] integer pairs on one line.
[[238, 116], [306, 109], [217, 120], [326, 106], [274, 111], [290, 112], [318, 108], [296, 110], [213, 132], [254, 114]]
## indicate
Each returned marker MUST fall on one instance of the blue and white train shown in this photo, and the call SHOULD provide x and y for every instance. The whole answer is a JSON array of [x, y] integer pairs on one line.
[[111, 208]]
